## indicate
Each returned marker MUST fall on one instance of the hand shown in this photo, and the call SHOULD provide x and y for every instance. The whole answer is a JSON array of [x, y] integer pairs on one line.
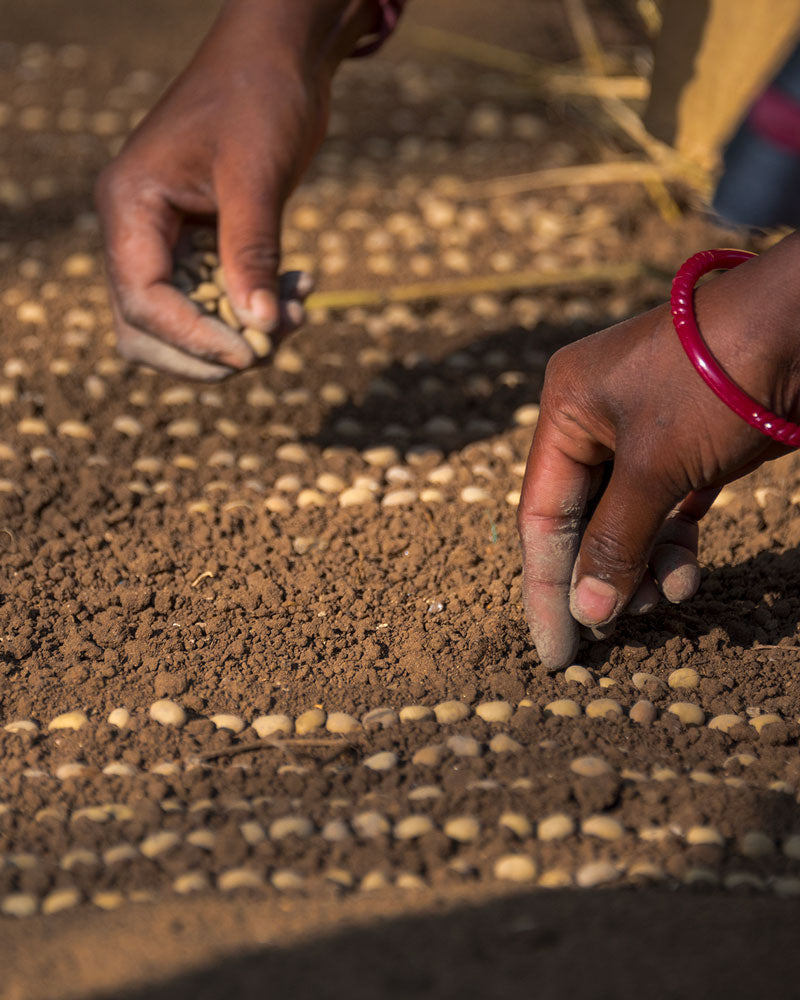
[[630, 396], [231, 139]]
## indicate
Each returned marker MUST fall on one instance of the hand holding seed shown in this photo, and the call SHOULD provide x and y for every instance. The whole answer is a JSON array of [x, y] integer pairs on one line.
[[229, 140], [629, 396]]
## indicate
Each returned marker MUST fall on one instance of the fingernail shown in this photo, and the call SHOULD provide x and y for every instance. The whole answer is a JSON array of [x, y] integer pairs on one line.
[[594, 601], [262, 308]]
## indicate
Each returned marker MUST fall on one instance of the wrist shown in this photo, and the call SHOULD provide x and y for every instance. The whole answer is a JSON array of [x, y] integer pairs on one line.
[[750, 319], [317, 34]]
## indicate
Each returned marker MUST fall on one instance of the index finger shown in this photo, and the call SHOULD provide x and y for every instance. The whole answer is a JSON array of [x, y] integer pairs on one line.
[[141, 232], [555, 492]]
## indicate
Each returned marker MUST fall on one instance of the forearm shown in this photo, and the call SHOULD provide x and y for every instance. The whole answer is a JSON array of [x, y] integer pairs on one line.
[[318, 33]]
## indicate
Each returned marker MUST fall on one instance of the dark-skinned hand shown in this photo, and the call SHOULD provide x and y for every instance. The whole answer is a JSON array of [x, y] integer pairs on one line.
[[629, 396], [229, 141]]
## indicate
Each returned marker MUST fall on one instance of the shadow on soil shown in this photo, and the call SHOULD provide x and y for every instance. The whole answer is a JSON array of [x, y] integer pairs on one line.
[[560, 945], [466, 394]]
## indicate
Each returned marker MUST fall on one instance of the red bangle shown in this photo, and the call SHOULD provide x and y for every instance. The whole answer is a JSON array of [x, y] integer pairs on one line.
[[682, 302], [388, 16]]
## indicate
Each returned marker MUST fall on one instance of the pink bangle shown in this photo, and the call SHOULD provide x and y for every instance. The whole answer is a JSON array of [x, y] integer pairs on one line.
[[682, 302], [388, 16]]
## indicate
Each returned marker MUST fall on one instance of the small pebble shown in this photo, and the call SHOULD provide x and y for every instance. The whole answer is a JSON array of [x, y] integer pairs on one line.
[[341, 722], [380, 457], [578, 675], [70, 770], [330, 483], [463, 829], [596, 873], [409, 881], [503, 743], [744, 880], [374, 881], [515, 868], [205, 839], [22, 726], [791, 847], [309, 721], [527, 416], [415, 713], [664, 774], [380, 718], [643, 712], [183, 428], [286, 880], [167, 713], [60, 899], [19, 904], [564, 708], [412, 827], [448, 712], [190, 882], [464, 746], [272, 725], [684, 677], [724, 723], [704, 835], [399, 498], [427, 756], [590, 767], [555, 827], [494, 711], [383, 761], [292, 452], [603, 827], [689, 714], [335, 830], [786, 886], [424, 792], [475, 494], [602, 708], [234, 723], [119, 853], [369, 825], [239, 878], [756, 844], [518, 824], [159, 843], [647, 870], [761, 721], [431, 496], [79, 856], [32, 426], [290, 826], [641, 680], [69, 720], [119, 769], [441, 476], [555, 878], [356, 496], [277, 505]]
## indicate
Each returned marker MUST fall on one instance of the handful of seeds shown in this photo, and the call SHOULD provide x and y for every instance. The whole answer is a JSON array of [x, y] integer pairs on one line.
[[199, 275]]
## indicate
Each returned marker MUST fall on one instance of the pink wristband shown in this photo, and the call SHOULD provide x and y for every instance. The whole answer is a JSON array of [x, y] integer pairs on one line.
[[682, 302], [388, 16]]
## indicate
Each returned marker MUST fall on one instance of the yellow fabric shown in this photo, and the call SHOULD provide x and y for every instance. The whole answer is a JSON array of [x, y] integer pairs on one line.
[[712, 58]]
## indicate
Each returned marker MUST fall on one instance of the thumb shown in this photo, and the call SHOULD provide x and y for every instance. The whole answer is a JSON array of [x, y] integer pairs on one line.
[[616, 546], [250, 209]]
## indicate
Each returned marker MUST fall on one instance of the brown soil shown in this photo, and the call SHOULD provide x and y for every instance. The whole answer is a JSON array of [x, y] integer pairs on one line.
[[139, 562]]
